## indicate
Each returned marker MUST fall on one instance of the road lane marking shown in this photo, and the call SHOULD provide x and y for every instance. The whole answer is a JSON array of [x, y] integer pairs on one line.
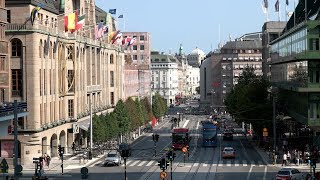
[[228, 163], [151, 162], [196, 164], [244, 163], [142, 163], [236, 163], [205, 165], [134, 163], [128, 162], [252, 163], [93, 164], [198, 125], [249, 173], [260, 164], [220, 163], [185, 124], [265, 172]]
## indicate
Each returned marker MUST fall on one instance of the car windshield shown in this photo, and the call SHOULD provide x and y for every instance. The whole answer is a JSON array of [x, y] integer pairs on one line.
[[209, 134], [112, 155], [178, 138], [284, 173], [228, 149]]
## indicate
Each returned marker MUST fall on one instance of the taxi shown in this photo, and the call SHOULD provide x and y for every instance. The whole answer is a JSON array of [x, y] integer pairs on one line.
[[228, 152]]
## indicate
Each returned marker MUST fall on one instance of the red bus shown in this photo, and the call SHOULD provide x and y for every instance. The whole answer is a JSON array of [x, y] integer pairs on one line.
[[180, 138]]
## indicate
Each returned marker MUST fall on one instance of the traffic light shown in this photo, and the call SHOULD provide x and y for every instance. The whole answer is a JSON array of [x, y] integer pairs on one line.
[[167, 164], [171, 155], [60, 150], [162, 164], [155, 137], [125, 153]]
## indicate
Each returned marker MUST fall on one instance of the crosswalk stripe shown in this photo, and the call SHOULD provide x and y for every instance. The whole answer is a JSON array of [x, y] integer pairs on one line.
[[236, 163], [220, 163], [228, 163], [196, 164], [99, 162], [260, 163], [134, 163], [205, 165], [142, 163], [244, 163], [151, 162], [252, 163]]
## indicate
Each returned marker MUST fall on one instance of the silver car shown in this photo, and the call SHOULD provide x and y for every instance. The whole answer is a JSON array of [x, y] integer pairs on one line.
[[113, 158]]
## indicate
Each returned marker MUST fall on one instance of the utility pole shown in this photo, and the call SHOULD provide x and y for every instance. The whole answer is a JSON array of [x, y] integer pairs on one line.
[[274, 121], [91, 134], [16, 144]]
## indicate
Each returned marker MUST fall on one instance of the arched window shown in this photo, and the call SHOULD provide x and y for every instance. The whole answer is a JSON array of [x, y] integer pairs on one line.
[[111, 59], [16, 48]]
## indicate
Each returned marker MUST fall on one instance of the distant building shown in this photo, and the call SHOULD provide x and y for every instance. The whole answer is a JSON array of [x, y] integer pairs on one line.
[[221, 69], [196, 57], [270, 31], [164, 77], [137, 65]]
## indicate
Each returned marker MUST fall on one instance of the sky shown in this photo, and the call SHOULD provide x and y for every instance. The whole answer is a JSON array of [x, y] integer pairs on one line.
[[192, 23]]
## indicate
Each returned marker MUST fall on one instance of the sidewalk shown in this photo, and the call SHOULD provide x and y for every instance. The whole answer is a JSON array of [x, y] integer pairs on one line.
[[265, 157]]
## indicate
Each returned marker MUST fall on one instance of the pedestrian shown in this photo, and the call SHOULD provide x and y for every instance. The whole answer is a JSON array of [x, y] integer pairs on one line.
[[48, 159], [298, 157], [284, 159], [288, 157], [274, 157]]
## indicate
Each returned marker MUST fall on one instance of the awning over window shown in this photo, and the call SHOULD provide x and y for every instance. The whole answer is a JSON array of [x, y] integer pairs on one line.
[[85, 124]]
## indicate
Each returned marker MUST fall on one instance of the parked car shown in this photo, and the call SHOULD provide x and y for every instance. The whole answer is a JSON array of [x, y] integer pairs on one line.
[[124, 146], [113, 158], [292, 174], [228, 152]]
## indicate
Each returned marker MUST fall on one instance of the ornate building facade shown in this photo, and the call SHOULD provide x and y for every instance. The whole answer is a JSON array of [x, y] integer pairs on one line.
[[59, 75]]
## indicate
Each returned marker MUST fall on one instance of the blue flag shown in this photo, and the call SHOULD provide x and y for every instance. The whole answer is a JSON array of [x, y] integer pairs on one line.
[[121, 16], [113, 11]]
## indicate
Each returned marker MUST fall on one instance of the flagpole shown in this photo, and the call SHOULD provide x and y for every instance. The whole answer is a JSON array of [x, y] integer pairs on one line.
[[294, 12], [124, 23], [279, 12]]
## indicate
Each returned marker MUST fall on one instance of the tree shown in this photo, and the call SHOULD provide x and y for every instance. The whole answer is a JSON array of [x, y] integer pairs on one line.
[[146, 109], [140, 112], [133, 113], [248, 101], [121, 116], [99, 128], [157, 105]]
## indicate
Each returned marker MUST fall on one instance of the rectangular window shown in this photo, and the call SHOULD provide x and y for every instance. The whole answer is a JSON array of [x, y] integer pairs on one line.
[[41, 114], [134, 47], [2, 63], [141, 57], [16, 82], [141, 38], [40, 82], [9, 16], [111, 79], [135, 57], [44, 82], [71, 80], [142, 47], [317, 76], [70, 108], [112, 98]]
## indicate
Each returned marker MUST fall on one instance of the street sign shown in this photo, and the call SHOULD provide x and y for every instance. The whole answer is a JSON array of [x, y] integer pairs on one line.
[[163, 175], [184, 149], [4, 166]]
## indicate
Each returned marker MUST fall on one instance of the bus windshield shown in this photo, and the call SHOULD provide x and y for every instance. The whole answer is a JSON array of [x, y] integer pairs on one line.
[[178, 137], [209, 134]]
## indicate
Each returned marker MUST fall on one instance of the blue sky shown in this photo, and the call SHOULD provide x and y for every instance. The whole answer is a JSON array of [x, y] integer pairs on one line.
[[194, 23]]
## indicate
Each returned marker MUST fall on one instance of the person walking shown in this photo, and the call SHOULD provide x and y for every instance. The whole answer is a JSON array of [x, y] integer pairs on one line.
[[275, 156], [284, 159]]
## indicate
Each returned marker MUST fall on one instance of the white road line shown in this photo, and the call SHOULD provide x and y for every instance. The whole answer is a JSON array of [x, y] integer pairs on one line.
[[151, 162], [265, 172], [244, 163], [249, 173], [260, 163], [252, 163], [220, 163], [196, 164], [198, 125], [142, 163], [95, 163], [228, 163], [185, 124], [236, 163], [134, 163], [205, 165], [128, 162]]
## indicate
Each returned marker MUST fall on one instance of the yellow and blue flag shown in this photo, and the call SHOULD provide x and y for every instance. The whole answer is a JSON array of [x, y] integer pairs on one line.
[[34, 13]]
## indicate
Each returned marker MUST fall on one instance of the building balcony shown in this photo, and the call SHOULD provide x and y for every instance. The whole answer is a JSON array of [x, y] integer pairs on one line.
[[7, 110]]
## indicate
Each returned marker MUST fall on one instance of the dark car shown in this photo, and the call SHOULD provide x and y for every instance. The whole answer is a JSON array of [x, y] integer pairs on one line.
[[227, 136], [124, 146]]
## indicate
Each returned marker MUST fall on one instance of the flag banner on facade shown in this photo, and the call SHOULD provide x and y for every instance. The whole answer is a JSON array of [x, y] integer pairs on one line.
[[80, 23], [265, 3], [287, 2], [34, 13], [277, 6], [113, 11], [99, 30], [70, 21], [121, 16]]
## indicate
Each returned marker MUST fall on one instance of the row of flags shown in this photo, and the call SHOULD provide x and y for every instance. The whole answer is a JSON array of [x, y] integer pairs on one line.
[[74, 22], [276, 5]]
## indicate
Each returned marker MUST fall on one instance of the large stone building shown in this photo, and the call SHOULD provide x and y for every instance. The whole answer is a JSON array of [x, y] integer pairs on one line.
[[137, 66], [4, 63], [59, 74], [295, 72], [164, 79], [221, 69]]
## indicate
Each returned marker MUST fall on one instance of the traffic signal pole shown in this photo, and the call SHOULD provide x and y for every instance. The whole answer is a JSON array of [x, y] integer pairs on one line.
[[171, 173]]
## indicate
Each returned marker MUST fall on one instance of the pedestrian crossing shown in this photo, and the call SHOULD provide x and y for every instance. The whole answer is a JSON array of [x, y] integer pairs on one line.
[[222, 163]]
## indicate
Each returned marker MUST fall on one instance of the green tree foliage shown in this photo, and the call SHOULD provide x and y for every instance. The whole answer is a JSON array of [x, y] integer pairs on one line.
[[133, 113], [157, 105], [248, 101], [121, 115], [146, 109], [140, 112]]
